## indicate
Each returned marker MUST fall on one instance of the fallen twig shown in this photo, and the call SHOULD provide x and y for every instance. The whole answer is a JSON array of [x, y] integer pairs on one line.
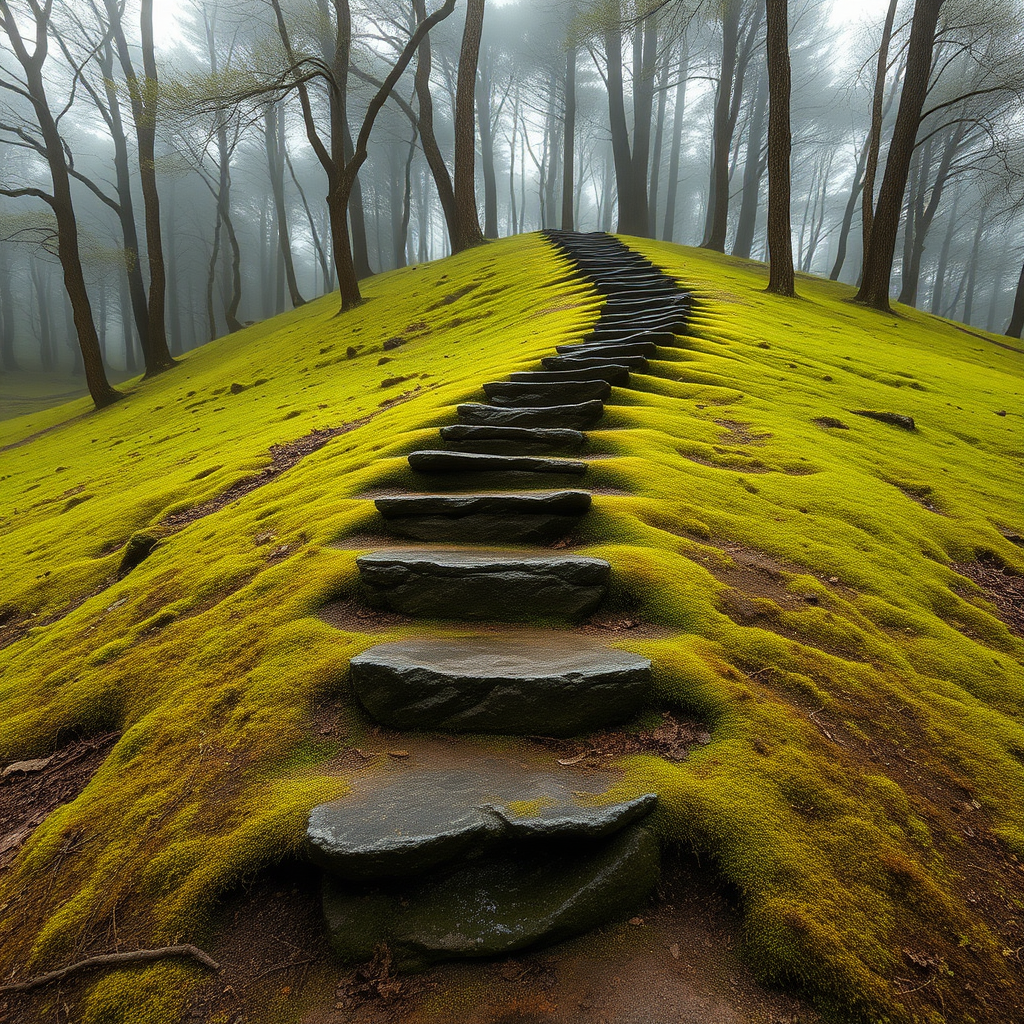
[[106, 959]]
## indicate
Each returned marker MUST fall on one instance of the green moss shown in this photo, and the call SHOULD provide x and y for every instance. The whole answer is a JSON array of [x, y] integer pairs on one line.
[[208, 658]]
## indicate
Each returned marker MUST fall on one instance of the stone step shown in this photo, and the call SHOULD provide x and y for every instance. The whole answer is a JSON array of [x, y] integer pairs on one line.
[[647, 349], [480, 584], [629, 335], [512, 440], [630, 323], [545, 393], [649, 282], [475, 462], [524, 895], [578, 415], [613, 373], [594, 359], [546, 685], [523, 517], [414, 821]]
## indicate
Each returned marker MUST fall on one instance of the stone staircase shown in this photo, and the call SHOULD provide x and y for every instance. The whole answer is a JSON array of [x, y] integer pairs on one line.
[[491, 855]]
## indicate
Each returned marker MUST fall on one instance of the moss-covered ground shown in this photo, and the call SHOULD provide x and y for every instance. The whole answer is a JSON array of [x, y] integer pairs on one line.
[[864, 788]]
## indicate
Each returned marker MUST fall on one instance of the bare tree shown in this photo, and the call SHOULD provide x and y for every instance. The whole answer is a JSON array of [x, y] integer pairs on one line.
[[881, 247], [780, 236], [45, 137]]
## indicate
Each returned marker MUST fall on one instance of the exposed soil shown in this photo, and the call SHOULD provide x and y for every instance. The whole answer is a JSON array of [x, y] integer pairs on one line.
[[31, 789], [677, 962], [283, 456], [1000, 585]]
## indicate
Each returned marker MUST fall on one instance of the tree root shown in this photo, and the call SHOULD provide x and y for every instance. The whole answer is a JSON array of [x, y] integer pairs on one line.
[[105, 959]]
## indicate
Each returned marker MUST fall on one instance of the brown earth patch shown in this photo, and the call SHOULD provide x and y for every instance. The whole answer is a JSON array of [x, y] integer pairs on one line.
[[1000, 585], [32, 788], [743, 433], [677, 960]]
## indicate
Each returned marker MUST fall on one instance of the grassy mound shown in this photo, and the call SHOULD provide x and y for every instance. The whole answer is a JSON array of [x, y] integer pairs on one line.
[[811, 566]]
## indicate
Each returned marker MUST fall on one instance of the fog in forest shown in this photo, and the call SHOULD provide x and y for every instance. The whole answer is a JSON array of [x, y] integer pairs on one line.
[[219, 129]]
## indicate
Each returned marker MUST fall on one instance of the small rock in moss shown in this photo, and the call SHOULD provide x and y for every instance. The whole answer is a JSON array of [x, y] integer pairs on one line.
[[895, 418], [830, 421]]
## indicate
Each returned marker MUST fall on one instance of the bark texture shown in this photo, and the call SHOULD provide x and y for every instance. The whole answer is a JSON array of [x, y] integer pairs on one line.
[[780, 236]]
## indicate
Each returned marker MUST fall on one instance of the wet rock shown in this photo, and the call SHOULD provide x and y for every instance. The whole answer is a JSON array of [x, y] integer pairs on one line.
[[551, 686], [894, 418], [474, 462], [648, 349], [482, 584], [579, 415], [523, 517], [518, 393], [595, 359], [528, 895], [512, 440], [613, 373], [413, 821]]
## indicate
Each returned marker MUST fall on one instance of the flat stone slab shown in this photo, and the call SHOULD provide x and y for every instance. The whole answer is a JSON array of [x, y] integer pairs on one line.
[[519, 393], [480, 584], [524, 517], [459, 506], [577, 415], [630, 335], [647, 349], [613, 373], [476, 462], [505, 440], [554, 686], [594, 359], [415, 821], [531, 894]]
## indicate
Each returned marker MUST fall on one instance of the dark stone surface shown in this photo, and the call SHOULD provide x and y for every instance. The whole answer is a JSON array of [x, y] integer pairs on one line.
[[594, 358], [553, 686], [461, 505], [517, 393], [471, 584], [412, 821], [528, 895], [578, 415], [648, 349], [613, 373], [896, 419], [528, 517], [512, 440], [475, 462], [631, 335]]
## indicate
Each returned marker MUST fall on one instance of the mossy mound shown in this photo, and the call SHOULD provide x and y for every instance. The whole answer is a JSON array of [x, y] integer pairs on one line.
[[864, 697]]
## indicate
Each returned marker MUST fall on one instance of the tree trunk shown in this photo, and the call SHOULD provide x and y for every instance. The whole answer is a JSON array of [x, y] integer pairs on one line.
[[431, 150], [753, 168], [659, 138], [274, 142], [126, 205], [780, 237], [630, 221], [1016, 324], [62, 205], [874, 290], [972, 270], [926, 214], [717, 217], [144, 99], [126, 326], [41, 286], [8, 358], [856, 189], [467, 221], [173, 293], [678, 110], [569, 160], [919, 166], [483, 107], [940, 270], [646, 49]]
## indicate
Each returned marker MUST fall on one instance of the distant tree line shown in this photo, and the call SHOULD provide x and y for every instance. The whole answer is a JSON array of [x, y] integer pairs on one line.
[[166, 181]]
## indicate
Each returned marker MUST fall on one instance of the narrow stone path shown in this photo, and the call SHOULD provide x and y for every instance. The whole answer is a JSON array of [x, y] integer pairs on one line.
[[497, 855]]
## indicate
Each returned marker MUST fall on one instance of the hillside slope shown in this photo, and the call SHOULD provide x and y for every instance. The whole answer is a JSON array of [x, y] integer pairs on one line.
[[827, 593]]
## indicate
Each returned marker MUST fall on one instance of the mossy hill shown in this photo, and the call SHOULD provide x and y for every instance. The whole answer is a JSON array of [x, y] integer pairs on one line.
[[809, 570]]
